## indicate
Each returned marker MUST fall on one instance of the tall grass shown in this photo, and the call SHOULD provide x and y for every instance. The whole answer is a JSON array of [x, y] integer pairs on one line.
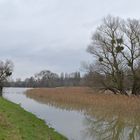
[[90, 101]]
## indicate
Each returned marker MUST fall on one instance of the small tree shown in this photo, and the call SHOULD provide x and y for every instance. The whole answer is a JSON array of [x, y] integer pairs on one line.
[[6, 69], [116, 46]]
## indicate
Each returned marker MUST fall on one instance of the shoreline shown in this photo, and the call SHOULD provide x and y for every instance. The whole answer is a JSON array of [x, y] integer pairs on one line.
[[18, 124]]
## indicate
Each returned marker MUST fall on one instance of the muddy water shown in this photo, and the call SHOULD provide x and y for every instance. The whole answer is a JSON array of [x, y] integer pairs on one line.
[[74, 124]]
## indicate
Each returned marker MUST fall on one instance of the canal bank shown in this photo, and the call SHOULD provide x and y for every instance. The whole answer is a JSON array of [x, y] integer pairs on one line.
[[18, 124]]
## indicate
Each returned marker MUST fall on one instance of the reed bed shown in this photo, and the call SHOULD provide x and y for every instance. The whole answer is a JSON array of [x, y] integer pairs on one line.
[[88, 100]]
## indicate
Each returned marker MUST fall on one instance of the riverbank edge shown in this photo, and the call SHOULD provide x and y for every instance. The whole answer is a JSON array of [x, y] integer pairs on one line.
[[18, 124]]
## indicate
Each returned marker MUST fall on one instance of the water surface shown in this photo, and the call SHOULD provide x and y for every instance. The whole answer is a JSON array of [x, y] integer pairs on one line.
[[76, 124]]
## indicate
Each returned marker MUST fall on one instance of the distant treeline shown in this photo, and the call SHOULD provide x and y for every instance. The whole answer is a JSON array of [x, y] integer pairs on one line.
[[47, 78]]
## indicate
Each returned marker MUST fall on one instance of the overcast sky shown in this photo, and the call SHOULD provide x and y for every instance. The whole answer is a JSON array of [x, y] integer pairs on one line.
[[53, 34]]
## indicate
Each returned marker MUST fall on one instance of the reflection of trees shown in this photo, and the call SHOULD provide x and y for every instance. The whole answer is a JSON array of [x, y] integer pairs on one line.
[[112, 129], [113, 123]]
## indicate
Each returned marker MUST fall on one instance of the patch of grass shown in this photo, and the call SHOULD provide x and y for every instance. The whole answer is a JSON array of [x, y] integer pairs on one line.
[[17, 124]]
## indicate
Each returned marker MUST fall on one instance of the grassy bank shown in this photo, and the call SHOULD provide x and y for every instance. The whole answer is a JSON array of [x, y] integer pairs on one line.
[[86, 99], [17, 124]]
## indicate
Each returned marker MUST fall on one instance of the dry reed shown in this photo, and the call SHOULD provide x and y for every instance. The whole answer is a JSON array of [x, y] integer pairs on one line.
[[84, 98]]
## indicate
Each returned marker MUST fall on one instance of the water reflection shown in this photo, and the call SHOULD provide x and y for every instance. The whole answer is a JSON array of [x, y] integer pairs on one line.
[[113, 129], [101, 124], [80, 122]]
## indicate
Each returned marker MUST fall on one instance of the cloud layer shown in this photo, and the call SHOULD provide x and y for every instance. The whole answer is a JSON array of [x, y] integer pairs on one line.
[[53, 34]]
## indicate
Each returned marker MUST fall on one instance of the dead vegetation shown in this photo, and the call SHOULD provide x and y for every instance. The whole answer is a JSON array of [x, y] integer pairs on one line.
[[89, 101]]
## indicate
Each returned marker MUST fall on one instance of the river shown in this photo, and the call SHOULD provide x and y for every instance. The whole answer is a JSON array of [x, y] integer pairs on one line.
[[74, 124]]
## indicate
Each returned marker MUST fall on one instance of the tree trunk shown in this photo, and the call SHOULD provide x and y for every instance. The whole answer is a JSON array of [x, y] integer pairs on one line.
[[1, 91], [136, 87]]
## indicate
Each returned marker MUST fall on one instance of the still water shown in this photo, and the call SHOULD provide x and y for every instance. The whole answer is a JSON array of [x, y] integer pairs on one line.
[[74, 124]]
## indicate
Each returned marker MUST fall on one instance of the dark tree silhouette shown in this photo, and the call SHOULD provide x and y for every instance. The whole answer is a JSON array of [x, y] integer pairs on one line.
[[6, 69], [116, 46]]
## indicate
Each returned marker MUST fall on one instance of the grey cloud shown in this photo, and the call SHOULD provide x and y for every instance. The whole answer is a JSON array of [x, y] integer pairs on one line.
[[53, 34]]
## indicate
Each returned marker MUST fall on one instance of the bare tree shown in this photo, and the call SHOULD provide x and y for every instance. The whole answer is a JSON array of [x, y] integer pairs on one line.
[[6, 69], [116, 46], [47, 78]]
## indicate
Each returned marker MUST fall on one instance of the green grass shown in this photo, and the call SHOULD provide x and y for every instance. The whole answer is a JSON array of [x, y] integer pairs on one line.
[[18, 124]]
